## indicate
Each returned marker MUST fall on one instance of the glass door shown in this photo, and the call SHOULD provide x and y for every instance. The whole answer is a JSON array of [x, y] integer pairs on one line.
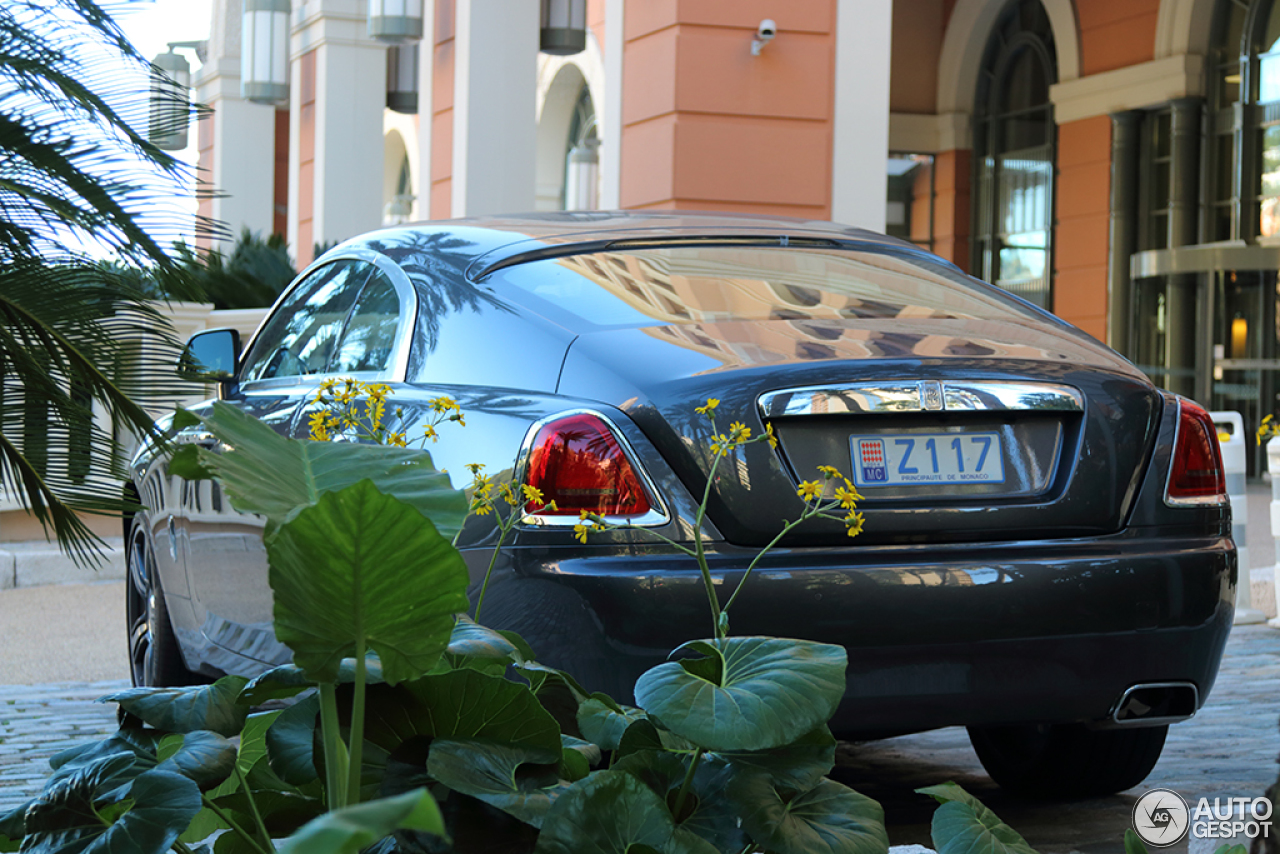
[[1245, 364]]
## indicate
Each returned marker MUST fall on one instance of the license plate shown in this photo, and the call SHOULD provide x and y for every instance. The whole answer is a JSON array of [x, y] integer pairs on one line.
[[905, 459]]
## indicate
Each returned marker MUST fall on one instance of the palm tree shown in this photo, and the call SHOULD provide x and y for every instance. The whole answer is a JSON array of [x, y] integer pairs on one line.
[[75, 180]]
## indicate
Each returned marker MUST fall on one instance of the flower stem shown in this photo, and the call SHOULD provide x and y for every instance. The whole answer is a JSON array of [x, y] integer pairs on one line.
[[785, 528], [503, 528], [700, 553]]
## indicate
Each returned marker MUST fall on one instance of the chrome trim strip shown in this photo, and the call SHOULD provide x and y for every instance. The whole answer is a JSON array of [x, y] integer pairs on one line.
[[920, 396], [658, 514]]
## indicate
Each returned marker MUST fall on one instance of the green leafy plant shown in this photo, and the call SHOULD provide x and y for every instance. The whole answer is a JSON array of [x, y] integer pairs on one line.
[[404, 730]]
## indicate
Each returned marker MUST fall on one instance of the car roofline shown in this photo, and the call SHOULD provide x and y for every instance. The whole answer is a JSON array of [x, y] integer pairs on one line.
[[524, 251]]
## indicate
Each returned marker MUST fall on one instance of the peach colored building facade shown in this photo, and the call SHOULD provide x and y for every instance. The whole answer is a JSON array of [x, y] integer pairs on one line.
[[1112, 160]]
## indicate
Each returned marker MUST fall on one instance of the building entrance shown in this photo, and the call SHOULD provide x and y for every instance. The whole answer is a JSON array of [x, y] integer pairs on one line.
[[1212, 334]]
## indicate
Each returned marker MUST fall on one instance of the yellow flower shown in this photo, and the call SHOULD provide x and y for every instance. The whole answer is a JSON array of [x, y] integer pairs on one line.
[[809, 490], [483, 485], [551, 505], [374, 411], [580, 532], [711, 404], [508, 494], [430, 433], [829, 471], [475, 468], [532, 494], [443, 404], [773, 440], [480, 508], [1267, 429], [847, 495], [719, 442], [399, 440], [853, 524], [738, 432], [318, 430]]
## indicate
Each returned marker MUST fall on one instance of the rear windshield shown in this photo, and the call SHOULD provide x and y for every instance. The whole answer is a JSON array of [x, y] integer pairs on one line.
[[711, 284]]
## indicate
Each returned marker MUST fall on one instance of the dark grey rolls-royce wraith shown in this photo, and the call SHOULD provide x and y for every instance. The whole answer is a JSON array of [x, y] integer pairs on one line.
[[1046, 556]]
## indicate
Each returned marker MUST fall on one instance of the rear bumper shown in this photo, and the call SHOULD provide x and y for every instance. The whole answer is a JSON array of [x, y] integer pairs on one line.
[[1046, 632]]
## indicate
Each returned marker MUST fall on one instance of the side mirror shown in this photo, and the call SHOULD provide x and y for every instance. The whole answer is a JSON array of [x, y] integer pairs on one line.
[[210, 355]]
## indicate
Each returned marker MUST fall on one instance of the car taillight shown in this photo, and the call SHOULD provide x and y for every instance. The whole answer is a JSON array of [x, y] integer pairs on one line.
[[578, 463], [1196, 475]]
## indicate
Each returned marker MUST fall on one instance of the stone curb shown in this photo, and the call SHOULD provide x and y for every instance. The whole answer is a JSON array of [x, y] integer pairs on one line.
[[35, 564]]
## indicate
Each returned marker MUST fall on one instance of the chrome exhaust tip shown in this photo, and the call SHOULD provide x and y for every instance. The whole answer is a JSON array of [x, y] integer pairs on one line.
[[1152, 703]]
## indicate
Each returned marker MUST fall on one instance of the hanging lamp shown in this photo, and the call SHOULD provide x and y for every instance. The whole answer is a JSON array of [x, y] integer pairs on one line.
[[264, 51], [402, 78], [564, 27], [170, 101], [395, 21]]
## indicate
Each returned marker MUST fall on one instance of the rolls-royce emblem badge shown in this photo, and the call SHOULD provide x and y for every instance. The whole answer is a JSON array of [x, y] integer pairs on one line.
[[931, 395]]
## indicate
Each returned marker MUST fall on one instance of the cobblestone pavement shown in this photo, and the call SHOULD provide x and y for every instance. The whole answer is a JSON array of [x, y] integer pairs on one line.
[[1228, 749], [37, 721]]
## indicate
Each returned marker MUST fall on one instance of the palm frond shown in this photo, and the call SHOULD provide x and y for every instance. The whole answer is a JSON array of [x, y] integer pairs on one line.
[[84, 357]]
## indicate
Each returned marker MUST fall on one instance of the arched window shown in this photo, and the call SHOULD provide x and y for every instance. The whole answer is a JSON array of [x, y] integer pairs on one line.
[[1244, 154], [1014, 137], [582, 159]]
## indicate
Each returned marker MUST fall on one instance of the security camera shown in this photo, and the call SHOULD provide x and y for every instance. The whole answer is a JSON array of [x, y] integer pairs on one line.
[[764, 34]]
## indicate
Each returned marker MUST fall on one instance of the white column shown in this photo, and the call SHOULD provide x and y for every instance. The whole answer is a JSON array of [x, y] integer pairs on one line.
[[615, 42], [350, 96], [859, 184], [494, 106], [426, 70], [1273, 466], [242, 168]]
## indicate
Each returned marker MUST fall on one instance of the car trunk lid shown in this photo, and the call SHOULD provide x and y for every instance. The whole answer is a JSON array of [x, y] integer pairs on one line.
[[1004, 430]]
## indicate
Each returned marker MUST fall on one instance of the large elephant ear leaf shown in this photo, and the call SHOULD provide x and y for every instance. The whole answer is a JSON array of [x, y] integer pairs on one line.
[[263, 472], [204, 757], [492, 773], [612, 812], [148, 814], [363, 570], [828, 819], [188, 709], [351, 829], [767, 692], [603, 721], [965, 824], [799, 765]]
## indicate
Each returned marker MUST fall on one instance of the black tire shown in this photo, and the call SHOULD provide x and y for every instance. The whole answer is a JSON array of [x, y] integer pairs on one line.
[[154, 657], [1067, 760]]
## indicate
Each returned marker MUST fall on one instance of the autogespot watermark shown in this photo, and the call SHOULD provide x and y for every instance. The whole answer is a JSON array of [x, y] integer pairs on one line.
[[1162, 817]]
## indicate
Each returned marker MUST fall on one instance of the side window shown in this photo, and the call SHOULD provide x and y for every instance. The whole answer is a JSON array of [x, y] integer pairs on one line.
[[370, 335], [301, 335]]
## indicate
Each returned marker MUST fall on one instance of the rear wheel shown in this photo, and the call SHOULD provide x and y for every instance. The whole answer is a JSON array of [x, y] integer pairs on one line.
[[154, 657], [1067, 760]]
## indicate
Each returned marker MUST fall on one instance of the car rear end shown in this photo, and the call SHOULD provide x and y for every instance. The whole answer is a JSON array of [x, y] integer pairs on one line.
[[1047, 536]]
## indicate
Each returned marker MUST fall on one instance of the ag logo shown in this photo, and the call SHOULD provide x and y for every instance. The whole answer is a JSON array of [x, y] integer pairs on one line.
[[1160, 817]]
